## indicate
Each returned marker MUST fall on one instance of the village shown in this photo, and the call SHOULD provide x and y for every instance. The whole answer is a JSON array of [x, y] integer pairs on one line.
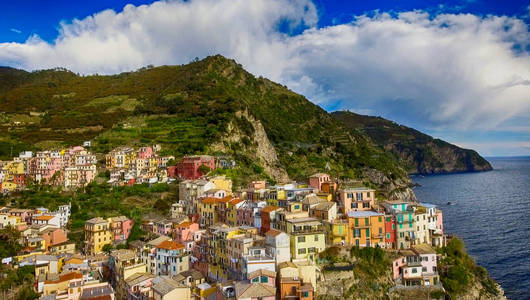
[[262, 241]]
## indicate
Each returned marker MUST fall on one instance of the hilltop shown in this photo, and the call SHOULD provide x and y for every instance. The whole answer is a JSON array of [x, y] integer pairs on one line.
[[208, 106], [419, 152]]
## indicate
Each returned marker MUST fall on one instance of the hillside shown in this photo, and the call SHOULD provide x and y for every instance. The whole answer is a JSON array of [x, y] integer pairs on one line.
[[209, 106], [420, 153]]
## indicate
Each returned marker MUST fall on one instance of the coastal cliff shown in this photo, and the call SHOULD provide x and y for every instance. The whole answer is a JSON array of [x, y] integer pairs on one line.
[[419, 152]]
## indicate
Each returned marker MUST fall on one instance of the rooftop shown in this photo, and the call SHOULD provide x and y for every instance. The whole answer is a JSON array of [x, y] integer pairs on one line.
[[423, 249], [262, 272], [364, 214], [97, 220], [163, 285], [304, 220], [170, 245], [254, 290], [359, 189]]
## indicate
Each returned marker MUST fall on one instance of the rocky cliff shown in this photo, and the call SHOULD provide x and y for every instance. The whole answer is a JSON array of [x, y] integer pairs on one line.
[[420, 153]]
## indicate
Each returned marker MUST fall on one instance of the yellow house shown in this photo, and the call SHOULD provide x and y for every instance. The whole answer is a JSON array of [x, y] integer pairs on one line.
[[337, 232], [222, 183], [325, 196], [366, 228], [97, 234], [55, 286], [208, 212], [231, 211], [307, 238], [9, 186], [63, 248], [220, 261], [36, 243]]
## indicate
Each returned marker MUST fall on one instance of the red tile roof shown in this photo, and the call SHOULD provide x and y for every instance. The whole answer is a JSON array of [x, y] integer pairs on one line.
[[269, 208], [170, 245], [66, 277]]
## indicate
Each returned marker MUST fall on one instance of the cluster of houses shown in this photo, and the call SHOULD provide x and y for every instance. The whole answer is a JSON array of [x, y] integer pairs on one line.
[[71, 168], [128, 166], [259, 242]]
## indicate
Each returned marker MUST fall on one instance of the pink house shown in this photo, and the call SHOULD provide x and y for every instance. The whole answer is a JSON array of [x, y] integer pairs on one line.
[[164, 227], [185, 231], [121, 227], [439, 222], [356, 199], [145, 152], [316, 180], [53, 236], [397, 265], [257, 185], [24, 214]]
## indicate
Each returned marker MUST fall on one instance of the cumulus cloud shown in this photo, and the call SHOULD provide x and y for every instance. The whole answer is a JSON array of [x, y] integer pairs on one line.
[[456, 71]]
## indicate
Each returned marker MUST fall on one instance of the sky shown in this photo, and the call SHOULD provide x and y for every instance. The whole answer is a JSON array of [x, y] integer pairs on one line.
[[457, 70]]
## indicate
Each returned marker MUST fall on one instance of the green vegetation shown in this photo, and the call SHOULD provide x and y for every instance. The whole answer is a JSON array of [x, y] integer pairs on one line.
[[458, 271], [186, 109], [99, 200], [9, 245], [419, 152], [18, 283]]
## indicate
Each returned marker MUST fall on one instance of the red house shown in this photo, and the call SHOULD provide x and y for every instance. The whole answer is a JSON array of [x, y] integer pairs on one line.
[[390, 231], [268, 214], [188, 167]]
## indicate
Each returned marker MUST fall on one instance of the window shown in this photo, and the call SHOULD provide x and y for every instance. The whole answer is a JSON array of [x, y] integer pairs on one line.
[[311, 250], [316, 238], [255, 279], [301, 251], [356, 222], [366, 221], [301, 239], [414, 270], [367, 232], [354, 205], [388, 235], [297, 207], [264, 279], [305, 294], [356, 233], [380, 219], [424, 269]]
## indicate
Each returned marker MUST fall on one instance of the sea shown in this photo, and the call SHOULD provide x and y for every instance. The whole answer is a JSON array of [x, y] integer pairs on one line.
[[490, 211]]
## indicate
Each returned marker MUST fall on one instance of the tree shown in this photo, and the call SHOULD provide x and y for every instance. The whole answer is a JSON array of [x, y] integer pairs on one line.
[[204, 169], [107, 248]]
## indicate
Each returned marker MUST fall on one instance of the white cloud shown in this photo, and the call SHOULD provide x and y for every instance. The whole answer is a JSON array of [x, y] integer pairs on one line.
[[445, 71], [15, 30]]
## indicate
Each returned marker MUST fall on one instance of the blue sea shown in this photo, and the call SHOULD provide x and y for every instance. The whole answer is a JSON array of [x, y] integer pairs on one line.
[[491, 212]]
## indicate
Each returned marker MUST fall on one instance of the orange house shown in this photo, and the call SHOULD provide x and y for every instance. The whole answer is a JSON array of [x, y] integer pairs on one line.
[[366, 228]]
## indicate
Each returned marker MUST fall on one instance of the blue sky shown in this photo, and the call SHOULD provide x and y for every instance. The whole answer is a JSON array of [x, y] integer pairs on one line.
[[458, 70]]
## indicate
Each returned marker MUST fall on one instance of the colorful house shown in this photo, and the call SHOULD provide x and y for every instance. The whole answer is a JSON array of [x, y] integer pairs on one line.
[[367, 228], [307, 238], [171, 258], [97, 234], [337, 232], [316, 180], [390, 231], [188, 167], [356, 199]]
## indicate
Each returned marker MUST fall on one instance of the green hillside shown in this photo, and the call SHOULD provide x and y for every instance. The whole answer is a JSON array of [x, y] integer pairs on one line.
[[421, 153], [187, 109]]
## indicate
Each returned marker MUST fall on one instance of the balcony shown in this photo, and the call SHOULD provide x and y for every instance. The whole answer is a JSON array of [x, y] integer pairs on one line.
[[307, 231]]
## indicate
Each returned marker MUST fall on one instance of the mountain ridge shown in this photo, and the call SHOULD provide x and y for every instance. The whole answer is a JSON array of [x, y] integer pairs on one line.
[[421, 153]]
